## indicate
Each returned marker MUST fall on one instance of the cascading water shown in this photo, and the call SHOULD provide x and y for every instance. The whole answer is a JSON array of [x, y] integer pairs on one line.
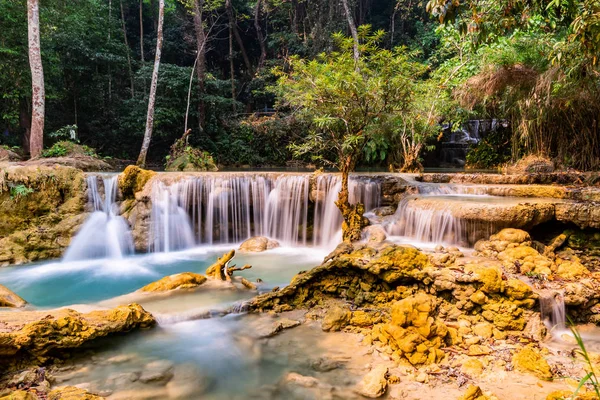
[[227, 208], [104, 234], [328, 219], [552, 308]]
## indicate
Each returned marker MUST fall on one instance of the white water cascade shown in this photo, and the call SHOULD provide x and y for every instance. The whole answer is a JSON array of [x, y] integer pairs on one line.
[[104, 234], [229, 208], [552, 308]]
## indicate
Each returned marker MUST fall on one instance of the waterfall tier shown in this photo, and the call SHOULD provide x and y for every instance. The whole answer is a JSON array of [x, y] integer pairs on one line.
[[104, 234], [212, 209]]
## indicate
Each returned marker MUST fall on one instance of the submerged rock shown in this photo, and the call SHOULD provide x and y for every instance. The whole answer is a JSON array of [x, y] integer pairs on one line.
[[258, 244], [37, 334], [184, 280], [8, 298]]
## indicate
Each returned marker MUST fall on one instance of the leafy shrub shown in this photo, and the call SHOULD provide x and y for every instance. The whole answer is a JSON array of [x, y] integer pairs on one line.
[[491, 152], [18, 191], [66, 149], [187, 158]]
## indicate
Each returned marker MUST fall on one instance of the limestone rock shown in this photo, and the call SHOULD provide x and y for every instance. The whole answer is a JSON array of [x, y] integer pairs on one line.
[[268, 328], [36, 333], [21, 395], [8, 298], [374, 234], [184, 280], [529, 359], [524, 259], [474, 393], [335, 319], [516, 289], [71, 393], [472, 367], [374, 384], [258, 244]]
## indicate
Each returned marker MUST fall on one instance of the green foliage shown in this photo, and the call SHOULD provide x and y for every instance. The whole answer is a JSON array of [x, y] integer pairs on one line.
[[19, 191], [590, 379], [67, 149], [346, 103], [491, 152]]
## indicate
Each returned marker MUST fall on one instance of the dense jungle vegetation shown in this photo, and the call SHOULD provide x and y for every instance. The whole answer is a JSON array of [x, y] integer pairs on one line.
[[340, 82]]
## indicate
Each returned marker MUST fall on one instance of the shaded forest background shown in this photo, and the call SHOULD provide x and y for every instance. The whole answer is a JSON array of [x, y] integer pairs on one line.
[[531, 63]]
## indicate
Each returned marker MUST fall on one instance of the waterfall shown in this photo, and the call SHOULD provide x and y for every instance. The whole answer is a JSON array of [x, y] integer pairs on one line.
[[170, 225], [552, 308], [104, 234], [229, 208]]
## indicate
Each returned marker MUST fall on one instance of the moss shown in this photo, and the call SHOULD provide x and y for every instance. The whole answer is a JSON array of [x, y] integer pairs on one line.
[[529, 359], [184, 280], [525, 259], [133, 179], [398, 262], [20, 395], [490, 277]]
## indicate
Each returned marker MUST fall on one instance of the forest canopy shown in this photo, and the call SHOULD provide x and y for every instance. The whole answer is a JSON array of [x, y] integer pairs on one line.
[[224, 63]]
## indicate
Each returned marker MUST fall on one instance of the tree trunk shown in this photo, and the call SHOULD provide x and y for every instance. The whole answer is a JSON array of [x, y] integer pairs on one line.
[[127, 47], [109, 69], [354, 221], [152, 98], [38, 94], [25, 124], [142, 30], [353, 31], [201, 59], [260, 36], [231, 66], [238, 38]]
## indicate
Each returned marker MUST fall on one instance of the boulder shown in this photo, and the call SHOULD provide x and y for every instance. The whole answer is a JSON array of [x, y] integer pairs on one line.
[[258, 244], [374, 384], [374, 234], [529, 359], [8, 298], [133, 180], [37, 333], [158, 372], [184, 280], [335, 319]]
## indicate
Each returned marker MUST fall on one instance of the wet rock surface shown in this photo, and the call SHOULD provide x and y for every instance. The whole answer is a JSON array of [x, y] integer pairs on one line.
[[258, 244], [8, 298], [41, 334]]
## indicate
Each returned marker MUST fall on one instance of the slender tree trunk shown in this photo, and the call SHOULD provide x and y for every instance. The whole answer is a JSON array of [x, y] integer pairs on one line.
[[294, 16], [154, 20], [142, 30], [25, 124], [353, 30], [201, 59], [38, 94], [127, 47], [152, 98], [260, 36], [238, 38], [231, 66], [354, 221], [109, 69]]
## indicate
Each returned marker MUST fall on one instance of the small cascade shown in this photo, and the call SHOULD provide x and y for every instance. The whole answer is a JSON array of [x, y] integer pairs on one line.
[[170, 227], [230, 208], [104, 234], [552, 308], [327, 217]]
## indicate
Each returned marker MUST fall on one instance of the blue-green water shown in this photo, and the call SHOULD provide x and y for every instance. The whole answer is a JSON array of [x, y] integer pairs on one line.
[[55, 284]]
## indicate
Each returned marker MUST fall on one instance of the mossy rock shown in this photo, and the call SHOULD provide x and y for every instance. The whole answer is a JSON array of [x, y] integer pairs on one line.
[[133, 179], [191, 159]]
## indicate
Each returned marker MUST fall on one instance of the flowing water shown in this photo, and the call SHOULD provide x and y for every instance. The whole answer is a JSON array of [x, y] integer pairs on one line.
[[229, 208], [104, 234]]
